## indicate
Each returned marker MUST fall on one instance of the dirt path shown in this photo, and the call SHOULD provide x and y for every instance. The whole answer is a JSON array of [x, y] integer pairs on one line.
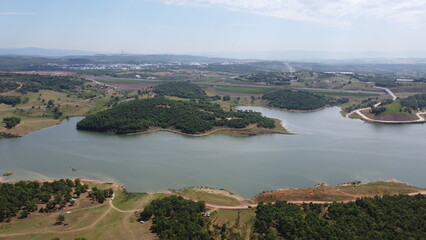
[[59, 231], [14, 90]]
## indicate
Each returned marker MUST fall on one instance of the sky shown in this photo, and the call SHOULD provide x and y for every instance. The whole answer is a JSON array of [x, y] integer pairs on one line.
[[214, 26]]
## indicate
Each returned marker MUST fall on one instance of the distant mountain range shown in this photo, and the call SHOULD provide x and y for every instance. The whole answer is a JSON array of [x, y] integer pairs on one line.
[[42, 52], [408, 57], [314, 56]]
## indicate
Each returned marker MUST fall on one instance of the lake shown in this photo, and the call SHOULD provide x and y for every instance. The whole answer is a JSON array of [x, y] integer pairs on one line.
[[327, 148]]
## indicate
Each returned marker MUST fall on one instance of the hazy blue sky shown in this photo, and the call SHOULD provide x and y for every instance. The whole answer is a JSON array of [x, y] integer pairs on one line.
[[191, 26]]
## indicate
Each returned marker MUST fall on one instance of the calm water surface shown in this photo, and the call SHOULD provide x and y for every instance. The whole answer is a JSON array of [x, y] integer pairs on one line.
[[328, 148]]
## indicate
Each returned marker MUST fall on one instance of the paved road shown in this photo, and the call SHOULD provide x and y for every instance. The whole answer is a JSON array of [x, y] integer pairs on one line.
[[388, 91]]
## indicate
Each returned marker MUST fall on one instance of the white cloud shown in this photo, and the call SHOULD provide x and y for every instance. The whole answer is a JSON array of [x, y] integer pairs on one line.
[[330, 12], [16, 13]]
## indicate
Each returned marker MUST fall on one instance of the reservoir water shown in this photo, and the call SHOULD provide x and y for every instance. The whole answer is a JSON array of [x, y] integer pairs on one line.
[[327, 148]]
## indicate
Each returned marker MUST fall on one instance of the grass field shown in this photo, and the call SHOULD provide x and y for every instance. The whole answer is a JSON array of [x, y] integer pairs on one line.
[[394, 107], [344, 94], [243, 90], [87, 219], [35, 114], [212, 197]]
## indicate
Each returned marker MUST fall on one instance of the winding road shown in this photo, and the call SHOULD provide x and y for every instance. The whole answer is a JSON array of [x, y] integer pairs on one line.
[[420, 119]]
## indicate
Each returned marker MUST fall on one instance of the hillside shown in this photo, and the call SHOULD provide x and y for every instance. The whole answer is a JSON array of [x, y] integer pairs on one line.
[[295, 100]]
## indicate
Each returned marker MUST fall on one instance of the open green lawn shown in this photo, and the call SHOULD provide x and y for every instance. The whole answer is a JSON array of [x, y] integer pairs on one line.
[[394, 107]]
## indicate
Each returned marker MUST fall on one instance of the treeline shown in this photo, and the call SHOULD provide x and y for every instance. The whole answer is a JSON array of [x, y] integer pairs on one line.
[[381, 81], [34, 82], [177, 218], [21, 198], [295, 100], [388, 217], [101, 195], [180, 89], [189, 117], [271, 78], [10, 100], [415, 102]]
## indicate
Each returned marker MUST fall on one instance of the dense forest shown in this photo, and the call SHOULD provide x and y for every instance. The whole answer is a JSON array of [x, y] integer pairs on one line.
[[388, 217], [270, 78], [177, 218], [295, 100], [21, 198], [189, 117], [6, 86], [415, 102], [34, 83], [180, 89]]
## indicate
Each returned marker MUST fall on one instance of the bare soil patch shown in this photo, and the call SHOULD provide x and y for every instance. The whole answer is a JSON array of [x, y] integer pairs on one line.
[[391, 116], [136, 86], [338, 193]]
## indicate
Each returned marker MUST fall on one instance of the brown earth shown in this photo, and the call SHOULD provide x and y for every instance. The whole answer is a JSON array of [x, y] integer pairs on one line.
[[391, 116], [53, 73], [338, 193], [136, 86]]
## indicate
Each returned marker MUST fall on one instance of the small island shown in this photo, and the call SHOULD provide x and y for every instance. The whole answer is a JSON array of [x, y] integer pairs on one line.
[[194, 118]]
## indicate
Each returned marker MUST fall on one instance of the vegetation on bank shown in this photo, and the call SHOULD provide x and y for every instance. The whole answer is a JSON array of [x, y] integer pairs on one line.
[[387, 217], [7, 135], [188, 117], [177, 218], [180, 89], [295, 100], [11, 122]]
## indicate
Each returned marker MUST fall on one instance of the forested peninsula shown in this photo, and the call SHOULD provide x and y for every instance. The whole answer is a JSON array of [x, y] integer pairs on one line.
[[188, 117], [295, 100]]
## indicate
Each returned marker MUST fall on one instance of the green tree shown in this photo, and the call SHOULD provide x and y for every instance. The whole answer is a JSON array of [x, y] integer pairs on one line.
[[60, 219]]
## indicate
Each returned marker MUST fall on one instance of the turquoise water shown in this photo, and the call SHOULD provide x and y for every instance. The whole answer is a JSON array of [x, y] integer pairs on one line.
[[327, 148]]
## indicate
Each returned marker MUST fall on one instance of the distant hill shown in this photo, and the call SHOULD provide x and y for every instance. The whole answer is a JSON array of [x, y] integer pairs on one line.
[[33, 51]]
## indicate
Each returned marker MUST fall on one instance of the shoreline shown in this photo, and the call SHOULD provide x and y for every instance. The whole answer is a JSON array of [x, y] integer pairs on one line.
[[224, 130], [241, 132], [245, 202], [290, 110]]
